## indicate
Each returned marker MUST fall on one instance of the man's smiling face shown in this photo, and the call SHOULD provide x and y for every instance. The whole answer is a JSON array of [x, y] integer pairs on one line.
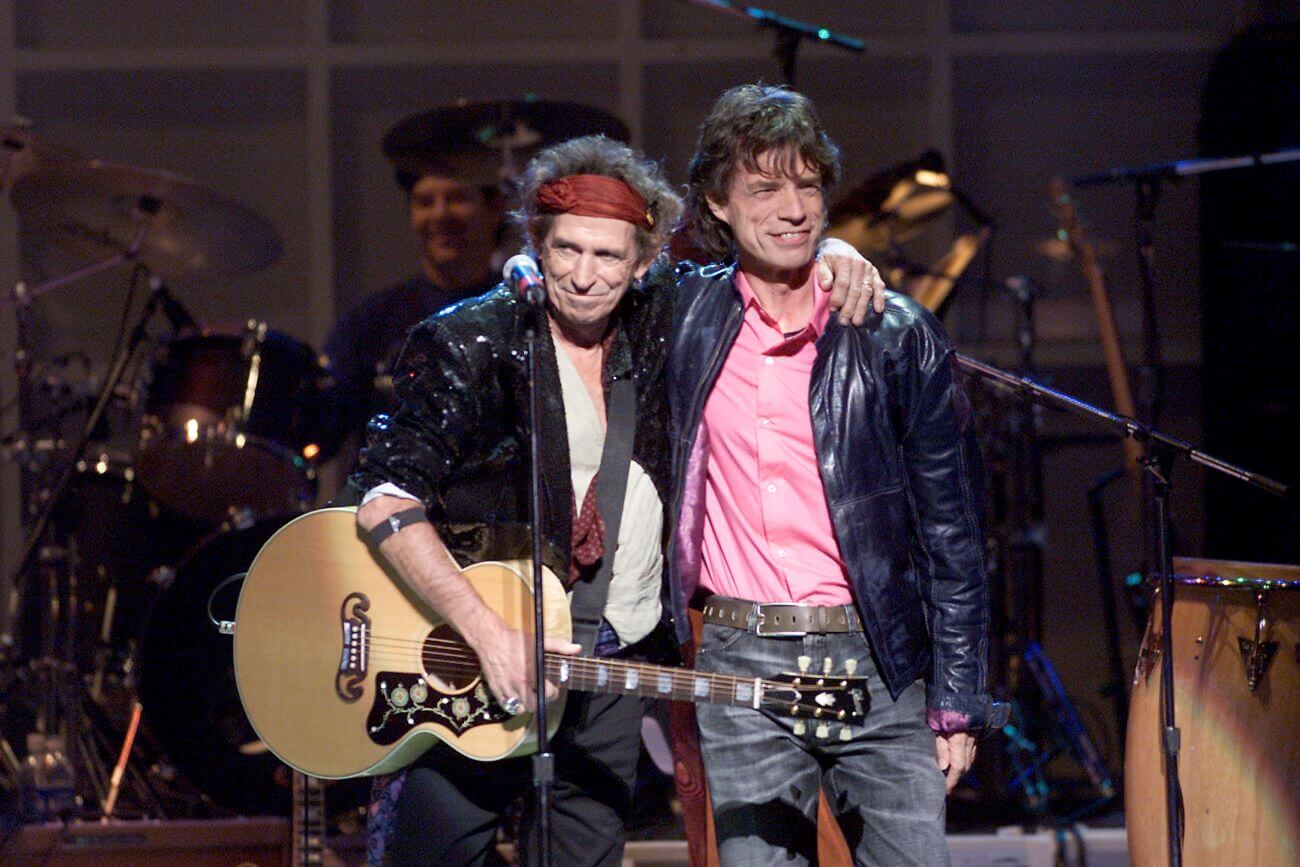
[[776, 213]]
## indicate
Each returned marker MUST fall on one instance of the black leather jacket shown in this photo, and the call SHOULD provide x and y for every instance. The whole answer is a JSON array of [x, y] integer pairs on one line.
[[899, 465], [459, 439]]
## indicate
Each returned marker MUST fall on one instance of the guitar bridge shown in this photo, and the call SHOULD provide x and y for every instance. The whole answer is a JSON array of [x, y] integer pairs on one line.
[[356, 647]]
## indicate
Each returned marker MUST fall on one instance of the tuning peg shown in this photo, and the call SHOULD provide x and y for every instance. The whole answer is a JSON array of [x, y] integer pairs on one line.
[[845, 734], [823, 731], [804, 662], [850, 666], [826, 665], [800, 727]]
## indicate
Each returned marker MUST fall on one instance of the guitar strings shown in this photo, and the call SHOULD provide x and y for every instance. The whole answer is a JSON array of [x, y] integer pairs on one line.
[[448, 656]]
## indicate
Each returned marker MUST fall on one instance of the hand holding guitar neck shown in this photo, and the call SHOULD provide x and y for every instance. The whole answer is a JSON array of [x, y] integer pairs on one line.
[[505, 657]]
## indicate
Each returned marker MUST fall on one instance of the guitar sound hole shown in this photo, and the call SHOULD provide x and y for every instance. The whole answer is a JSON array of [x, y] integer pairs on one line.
[[449, 663]]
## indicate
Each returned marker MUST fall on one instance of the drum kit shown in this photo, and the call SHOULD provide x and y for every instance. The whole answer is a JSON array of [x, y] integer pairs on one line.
[[142, 492]]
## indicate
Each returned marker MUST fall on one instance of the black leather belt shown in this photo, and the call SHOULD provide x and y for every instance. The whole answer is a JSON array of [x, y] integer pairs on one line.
[[781, 619]]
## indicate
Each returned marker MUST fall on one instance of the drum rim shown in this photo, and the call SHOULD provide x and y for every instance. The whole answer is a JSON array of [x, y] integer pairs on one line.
[[155, 433], [1239, 574], [1237, 582]]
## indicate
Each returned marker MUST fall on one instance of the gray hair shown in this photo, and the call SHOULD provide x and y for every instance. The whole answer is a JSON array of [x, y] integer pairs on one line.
[[598, 155]]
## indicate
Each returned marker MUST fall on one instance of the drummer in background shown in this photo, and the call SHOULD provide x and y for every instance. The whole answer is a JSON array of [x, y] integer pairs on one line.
[[453, 163]]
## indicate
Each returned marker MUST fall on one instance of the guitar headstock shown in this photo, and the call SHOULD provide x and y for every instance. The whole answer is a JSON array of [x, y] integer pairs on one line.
[[1067, 214], [821, 699]]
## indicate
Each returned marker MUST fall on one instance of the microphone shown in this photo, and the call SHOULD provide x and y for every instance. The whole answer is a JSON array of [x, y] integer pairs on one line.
[[523, 278]]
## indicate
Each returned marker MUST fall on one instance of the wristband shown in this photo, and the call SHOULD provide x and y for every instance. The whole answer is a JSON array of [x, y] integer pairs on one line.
[[395, 522]]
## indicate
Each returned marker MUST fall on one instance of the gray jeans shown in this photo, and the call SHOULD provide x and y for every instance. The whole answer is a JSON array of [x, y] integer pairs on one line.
[[883, 783]]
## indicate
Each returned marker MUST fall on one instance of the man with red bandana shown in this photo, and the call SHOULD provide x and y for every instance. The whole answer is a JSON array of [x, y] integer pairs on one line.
[[449, 468], [827, 512]]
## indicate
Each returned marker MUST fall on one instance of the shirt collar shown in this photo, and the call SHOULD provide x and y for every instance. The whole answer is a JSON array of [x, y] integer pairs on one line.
[[821, 302]]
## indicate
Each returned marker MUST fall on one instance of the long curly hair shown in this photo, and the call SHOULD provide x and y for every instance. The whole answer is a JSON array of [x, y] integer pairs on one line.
[[598, 155], [746, 122]]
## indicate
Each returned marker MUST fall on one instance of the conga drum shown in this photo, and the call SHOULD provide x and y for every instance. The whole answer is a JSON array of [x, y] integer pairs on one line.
[[1236, 628]]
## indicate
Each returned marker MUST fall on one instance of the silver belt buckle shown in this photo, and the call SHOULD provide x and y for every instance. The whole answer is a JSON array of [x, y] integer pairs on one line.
[[762, 614]]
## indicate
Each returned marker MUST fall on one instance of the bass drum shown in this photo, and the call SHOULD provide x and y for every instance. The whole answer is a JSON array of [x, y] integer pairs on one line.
[[121, 539], [1237, 703], [188, 686]]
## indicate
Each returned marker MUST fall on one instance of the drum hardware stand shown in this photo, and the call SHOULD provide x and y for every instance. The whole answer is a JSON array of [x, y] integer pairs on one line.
[[21, 299], [1116, 689], [61, 693], [1161, 451], [1019, 516]]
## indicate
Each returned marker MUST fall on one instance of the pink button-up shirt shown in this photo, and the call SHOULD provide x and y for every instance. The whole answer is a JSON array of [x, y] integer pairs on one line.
[[767, 530]]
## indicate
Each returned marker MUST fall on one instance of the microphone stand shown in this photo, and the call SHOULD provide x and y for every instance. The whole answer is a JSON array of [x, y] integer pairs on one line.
[[543, 760], [789, 32], [1161, 451]]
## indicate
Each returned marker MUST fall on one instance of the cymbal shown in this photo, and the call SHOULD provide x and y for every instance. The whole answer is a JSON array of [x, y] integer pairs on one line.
[[487, 142], [181, 229], [22, 151]]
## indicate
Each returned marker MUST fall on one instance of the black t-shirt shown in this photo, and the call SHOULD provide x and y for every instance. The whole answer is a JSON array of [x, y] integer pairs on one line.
[[364, 343]]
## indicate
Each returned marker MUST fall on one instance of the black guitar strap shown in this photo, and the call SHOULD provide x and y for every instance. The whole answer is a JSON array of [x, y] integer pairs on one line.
[[587, 606]]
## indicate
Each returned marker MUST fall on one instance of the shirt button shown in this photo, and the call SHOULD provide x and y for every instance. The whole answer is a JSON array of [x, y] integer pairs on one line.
[[781, 552], [771, 489], [767, 422], [769, 360]]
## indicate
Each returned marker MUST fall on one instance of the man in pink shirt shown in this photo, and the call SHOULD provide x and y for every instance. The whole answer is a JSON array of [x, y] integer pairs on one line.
[[827, 511]]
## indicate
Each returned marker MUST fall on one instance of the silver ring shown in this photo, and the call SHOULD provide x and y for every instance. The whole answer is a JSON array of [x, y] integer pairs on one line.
[[513, 706]]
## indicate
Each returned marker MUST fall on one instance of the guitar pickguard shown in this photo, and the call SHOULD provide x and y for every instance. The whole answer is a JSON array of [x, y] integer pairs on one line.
[[404, 701]]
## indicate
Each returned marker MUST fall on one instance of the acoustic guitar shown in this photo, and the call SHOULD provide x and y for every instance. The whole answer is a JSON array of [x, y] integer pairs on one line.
[[343, 673]]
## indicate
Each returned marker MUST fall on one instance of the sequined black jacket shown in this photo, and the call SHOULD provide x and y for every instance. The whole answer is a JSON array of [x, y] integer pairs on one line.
[[899, 465], [459, 438]]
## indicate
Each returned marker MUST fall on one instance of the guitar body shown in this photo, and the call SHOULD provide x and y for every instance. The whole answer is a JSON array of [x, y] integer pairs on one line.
[[344, 673]]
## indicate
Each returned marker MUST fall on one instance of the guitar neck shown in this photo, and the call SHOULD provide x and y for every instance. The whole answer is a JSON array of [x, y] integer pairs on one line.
[[622, 677], [1112, 354], [308, 820]]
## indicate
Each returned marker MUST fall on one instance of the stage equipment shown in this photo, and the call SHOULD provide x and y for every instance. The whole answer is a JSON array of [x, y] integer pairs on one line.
[[97, 548], [1160, 452], [1235, 630], [789, 32], [234, 420], [1158, 461], [181, 229], [485, 143], [896, 205]]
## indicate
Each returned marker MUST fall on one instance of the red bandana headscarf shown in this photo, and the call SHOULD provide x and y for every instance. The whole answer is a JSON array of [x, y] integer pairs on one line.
[[594, 196]]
